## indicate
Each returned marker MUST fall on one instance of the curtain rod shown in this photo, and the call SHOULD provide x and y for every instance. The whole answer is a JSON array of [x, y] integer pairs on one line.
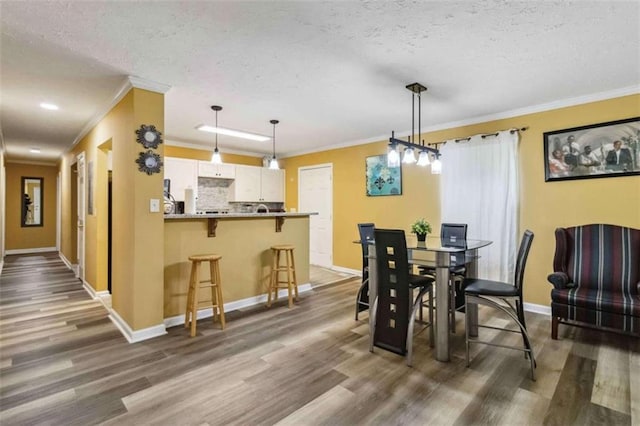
[[486, 135]]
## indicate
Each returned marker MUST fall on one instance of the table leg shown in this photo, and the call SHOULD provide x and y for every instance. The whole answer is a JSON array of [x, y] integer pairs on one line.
[[443, 260]]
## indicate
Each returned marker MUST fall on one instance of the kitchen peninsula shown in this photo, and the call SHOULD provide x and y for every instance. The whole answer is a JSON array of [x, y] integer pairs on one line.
[[243, 240]]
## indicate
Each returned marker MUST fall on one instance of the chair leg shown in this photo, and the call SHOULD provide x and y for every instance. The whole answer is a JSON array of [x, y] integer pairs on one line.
[[293, 271], [554, 327], [194, 299], [364, 284], [466, 328], [219, 301], [417, 305], [190, 295], [288, 259]]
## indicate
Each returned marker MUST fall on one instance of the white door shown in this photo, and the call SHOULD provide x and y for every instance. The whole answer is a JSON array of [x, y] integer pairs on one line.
[[315, 194], [81, 215]]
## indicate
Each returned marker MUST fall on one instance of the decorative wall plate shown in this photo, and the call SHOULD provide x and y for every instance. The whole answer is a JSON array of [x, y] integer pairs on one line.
[[149, 136], [149, 162]]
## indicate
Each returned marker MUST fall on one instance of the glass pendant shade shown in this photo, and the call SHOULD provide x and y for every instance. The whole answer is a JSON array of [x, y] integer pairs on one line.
[[215, 157], [273, 164], [409, 156], [436, 167], [423, 159], [393, 158]]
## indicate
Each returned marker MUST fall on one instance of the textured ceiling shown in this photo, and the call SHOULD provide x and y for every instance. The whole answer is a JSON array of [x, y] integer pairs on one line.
[[331, 72]]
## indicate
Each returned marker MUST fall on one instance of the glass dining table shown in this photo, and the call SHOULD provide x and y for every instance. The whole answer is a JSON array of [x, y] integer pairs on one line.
[[443, 261]]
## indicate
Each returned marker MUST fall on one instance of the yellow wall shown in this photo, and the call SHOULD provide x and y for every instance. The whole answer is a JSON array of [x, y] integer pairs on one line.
[[138, 235], [204, 155], [543, 205], [18, 237], [3, 191]]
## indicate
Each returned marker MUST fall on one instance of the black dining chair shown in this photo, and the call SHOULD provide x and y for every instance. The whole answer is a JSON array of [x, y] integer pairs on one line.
[[487, 292], [453, 235], [362, 299], [395, 308]]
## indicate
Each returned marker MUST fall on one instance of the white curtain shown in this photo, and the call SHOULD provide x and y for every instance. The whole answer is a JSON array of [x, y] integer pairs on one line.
[[479, 187]]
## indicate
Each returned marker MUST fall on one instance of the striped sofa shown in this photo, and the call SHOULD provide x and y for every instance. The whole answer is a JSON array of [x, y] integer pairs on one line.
[[596, 278]]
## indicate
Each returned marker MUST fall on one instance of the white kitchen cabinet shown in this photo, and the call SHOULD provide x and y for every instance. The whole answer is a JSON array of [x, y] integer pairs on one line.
[[257, 184], [220, 171], [183, 173], [272, 185]]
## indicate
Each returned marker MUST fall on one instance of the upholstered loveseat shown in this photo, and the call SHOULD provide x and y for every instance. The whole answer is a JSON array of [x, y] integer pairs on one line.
[[596, 278]]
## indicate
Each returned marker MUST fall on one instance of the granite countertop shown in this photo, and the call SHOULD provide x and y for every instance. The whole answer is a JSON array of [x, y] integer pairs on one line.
[[235, 215]]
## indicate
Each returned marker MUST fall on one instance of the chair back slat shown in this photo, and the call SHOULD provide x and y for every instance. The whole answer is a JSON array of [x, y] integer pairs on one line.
[[393, 290]]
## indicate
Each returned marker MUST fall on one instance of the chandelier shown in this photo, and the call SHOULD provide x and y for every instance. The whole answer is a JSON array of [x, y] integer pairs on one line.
[[410, 147]]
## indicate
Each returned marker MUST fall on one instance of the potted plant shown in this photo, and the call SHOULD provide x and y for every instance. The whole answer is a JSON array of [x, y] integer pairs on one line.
[[421, 228]]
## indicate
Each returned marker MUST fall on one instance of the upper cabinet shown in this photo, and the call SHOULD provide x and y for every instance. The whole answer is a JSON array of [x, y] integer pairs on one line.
[[257, 184], [183, 173], [220, 171], [272, 185]]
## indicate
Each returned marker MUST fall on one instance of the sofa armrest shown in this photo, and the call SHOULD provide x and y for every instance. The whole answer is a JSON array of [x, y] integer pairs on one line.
[[560, 280]]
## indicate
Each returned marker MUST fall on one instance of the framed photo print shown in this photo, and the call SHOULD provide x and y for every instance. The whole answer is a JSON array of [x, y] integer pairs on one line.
[[594, 151], [381, 179]]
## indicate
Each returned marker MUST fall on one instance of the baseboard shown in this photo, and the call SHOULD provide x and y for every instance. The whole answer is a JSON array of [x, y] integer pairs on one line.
[[31, 250], [355, 272], [233, 306], [538, 309], [134, 336], [73, 267], [1, 266], [103, 296]]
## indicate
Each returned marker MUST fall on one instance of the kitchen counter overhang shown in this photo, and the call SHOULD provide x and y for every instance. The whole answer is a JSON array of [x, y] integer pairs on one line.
[[212, 218]]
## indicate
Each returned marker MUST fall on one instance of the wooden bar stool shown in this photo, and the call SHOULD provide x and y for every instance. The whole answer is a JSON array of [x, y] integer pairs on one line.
[[289, 268], [194, 285]]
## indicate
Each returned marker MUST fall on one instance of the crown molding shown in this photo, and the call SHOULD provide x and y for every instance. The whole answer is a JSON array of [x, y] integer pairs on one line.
[[152, 86], [129, 83], [549, 106]]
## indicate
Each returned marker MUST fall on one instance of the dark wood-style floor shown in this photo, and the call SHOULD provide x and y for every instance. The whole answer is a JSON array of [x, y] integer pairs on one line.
[[63, 362]]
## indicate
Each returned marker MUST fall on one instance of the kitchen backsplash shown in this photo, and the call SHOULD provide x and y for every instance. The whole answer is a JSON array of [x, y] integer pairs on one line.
[[213, 194]]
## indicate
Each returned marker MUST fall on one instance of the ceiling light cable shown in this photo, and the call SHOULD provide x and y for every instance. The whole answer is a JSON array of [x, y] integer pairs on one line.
[[216, 158]]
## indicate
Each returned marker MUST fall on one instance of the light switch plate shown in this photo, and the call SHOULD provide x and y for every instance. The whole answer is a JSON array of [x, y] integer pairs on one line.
[[154, 205]]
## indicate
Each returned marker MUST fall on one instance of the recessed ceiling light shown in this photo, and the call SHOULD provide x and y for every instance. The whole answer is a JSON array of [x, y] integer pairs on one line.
[[35, 150], [234, 133], [48, 106]]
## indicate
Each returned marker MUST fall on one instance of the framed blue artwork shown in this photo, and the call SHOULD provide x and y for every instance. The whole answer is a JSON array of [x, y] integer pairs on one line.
[[382, 180]]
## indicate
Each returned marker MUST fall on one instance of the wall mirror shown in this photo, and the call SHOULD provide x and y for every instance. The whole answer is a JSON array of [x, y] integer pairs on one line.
[[32, 201]]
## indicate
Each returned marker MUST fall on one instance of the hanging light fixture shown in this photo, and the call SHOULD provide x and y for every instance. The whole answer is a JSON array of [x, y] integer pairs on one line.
[[423, 159], [393, 158], [273, 164], [436, 166], [215, 158], [409, 156]]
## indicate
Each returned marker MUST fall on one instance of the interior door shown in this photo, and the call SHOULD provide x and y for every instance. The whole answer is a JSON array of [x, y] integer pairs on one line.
[[315, 194], [81, 215]]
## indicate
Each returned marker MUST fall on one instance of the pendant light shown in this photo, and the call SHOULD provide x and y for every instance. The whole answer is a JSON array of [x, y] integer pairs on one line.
[[215, 158], [273, 164], [409, 154]]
